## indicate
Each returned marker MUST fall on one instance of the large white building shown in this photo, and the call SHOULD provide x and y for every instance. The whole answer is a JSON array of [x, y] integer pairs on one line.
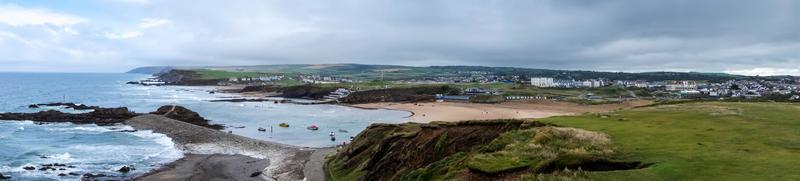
[[682, 86], [542, 82]]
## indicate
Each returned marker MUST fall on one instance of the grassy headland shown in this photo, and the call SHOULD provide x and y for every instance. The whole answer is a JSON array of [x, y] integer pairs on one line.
[[702, 141], [688, 141]]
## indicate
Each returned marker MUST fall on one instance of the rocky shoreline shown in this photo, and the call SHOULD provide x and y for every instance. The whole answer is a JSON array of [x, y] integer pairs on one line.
[[285, 162], [211, 154]]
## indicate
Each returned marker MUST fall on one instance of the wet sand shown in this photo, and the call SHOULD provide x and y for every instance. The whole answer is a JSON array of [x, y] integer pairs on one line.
[[211, 167], [459, 111]]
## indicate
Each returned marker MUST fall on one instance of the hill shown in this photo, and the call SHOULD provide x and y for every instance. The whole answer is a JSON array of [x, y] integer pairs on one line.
[[396, 72], [150, 70]]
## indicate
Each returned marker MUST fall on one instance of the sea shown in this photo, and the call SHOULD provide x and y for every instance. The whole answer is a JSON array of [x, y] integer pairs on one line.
[[88, 148]]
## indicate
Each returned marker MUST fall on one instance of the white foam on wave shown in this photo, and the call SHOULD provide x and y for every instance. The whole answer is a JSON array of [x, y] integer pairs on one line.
[[87, 128], [62, 158], [170, 152]]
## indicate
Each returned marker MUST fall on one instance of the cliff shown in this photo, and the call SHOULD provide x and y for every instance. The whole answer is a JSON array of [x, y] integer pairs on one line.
[[473, 150], [405, 94], [186, 77]]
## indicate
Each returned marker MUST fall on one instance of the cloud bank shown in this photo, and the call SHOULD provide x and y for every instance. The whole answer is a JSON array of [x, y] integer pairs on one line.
[[745, 37]]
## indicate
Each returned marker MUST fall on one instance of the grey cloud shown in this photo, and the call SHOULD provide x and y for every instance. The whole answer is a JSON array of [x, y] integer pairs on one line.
[[688, 35]]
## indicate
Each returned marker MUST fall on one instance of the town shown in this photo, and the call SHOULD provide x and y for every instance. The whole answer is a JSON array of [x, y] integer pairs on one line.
[[523, 87]]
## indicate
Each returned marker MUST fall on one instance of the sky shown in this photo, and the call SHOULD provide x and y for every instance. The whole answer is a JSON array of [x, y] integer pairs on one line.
[[733, 36]]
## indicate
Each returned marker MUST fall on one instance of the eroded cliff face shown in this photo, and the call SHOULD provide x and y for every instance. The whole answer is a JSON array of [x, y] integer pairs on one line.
[[475, 150], [389, 151]]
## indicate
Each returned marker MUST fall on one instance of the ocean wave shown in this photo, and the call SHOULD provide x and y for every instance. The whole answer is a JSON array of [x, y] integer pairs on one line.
[[86, 128]]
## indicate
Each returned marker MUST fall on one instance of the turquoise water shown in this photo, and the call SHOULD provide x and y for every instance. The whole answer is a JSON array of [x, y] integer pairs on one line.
[[143, 149]]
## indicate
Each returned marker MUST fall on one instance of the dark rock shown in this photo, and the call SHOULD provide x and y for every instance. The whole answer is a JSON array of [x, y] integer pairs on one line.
[[3, 177], [124, 169], [68, 105], [62, 174], [91, 176], [255, 174], [29, 168], [181, 113], [74, 173], [54, 165], [98, 116]]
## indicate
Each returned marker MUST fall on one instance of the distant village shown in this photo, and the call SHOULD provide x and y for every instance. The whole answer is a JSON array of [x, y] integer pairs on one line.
[[686, 89]]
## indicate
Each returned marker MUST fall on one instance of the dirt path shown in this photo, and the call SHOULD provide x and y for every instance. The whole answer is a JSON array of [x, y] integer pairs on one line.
[[314, 167]]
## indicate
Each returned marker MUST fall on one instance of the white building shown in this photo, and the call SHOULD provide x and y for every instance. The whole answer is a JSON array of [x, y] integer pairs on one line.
[[542, 82], [682, 86]]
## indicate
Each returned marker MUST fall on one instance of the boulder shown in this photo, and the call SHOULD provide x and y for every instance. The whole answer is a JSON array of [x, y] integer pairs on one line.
[[3, 177], [124, 169]]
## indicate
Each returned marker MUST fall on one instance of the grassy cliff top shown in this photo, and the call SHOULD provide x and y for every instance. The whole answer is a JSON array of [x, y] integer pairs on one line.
[[701, 141], [688, 141]]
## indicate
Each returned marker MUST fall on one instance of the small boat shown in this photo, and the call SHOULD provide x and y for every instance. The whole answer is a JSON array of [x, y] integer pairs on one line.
[[285, 125], [331, 134], [262, 129], [313, 127], [342, 131]]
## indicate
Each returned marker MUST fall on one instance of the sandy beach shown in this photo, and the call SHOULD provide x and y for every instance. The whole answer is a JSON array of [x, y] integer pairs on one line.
[[458, 111]]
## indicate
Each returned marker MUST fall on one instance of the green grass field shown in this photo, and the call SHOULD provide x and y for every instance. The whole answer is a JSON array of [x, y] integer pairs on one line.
[[701, 141]]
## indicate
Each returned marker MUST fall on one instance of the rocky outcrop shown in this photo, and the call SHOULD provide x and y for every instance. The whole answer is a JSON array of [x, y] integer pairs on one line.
[[476, 150], [409, 94], [105, 116], [186, 77], [305, 91], [388, 151], [67, 105], [260, 88], [3, 177], [181, 113], [98, 116]]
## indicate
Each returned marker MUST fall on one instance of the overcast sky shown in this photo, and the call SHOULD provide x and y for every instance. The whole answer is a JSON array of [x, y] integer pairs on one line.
[[743, 37]]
